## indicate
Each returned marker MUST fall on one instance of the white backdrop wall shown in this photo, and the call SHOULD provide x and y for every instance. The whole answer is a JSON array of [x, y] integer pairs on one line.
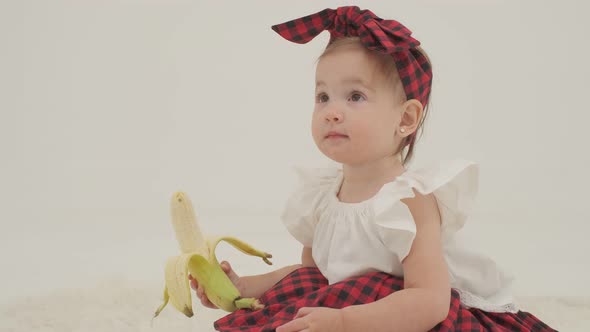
[[108, 107]]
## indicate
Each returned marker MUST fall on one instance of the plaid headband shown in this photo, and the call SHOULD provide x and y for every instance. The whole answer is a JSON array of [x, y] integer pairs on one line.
[[385, 36]]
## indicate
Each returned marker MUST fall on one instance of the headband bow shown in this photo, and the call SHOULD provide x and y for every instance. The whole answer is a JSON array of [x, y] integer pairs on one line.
[[385, 36]]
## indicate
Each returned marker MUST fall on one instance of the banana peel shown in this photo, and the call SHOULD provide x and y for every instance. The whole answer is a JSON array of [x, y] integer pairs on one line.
[[198, 258]]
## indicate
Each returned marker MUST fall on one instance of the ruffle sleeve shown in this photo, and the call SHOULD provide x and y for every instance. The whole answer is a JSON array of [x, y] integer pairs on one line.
[[454, 183], [299, 214]]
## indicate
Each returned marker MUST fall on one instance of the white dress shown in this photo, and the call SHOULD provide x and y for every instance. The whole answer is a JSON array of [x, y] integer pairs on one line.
[[350, 239]]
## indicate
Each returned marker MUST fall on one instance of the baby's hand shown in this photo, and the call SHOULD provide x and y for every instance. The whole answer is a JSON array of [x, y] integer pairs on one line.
[[321, 319], [201, 292]]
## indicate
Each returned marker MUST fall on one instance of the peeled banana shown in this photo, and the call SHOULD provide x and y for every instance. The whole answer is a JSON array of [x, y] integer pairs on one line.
[[198, 258]]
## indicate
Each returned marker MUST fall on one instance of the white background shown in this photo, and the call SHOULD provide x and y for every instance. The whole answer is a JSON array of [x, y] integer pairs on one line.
[[108, 107]]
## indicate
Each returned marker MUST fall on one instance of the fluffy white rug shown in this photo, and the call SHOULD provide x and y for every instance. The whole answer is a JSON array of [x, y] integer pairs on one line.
[[121, 305]]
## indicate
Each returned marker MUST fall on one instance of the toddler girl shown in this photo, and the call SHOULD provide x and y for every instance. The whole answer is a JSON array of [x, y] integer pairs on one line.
[[379, 252]]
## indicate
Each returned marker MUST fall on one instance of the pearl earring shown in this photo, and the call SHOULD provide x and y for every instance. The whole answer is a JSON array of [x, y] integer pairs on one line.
[[403, 130]]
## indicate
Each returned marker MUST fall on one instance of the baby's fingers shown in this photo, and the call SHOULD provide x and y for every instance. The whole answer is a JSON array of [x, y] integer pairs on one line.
[[225, 266], [201, 293], [193, 282], [204, 299]]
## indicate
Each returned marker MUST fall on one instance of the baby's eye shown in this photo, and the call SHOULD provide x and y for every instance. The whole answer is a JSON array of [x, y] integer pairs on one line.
[[322, 98], [357, 97]]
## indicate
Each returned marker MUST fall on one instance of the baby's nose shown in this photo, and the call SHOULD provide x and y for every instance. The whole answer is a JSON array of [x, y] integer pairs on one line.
[[334, 115], [334, 118]]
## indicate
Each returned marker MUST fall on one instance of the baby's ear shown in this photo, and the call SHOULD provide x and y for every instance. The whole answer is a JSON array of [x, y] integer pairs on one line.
[[411, 114]]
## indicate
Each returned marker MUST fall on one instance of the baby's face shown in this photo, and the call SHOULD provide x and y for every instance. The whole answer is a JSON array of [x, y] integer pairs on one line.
[[356, 112]]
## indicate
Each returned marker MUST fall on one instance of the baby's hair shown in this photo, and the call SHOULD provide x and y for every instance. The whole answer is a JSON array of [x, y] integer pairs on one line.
[[386, 67]]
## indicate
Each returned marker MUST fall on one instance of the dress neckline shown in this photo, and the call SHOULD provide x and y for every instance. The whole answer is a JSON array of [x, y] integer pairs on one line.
[[337, 184]]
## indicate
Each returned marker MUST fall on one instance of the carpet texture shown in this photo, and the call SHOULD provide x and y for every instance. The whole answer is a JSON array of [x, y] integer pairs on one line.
[[121, 305]]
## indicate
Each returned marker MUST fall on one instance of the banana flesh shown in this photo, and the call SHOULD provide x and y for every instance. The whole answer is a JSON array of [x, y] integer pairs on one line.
[[198, 258]]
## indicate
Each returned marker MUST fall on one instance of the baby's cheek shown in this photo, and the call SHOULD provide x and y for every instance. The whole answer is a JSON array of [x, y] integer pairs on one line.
[[367, 141], [372, 133], [315, 131], [382, 139]]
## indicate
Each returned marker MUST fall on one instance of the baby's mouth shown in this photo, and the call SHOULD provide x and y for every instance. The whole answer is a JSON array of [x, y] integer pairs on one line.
[[335, 135]]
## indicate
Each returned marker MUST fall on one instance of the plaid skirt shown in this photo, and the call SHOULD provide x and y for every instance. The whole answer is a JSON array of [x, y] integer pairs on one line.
[[307, 287]]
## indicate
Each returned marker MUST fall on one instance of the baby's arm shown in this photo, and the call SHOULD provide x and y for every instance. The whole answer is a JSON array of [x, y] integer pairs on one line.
[[252, 286], [255, 286], [307, 258], [425, 299]]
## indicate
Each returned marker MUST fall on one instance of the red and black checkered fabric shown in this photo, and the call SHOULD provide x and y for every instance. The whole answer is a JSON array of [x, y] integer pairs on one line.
[[385, 36], [307, 287]]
